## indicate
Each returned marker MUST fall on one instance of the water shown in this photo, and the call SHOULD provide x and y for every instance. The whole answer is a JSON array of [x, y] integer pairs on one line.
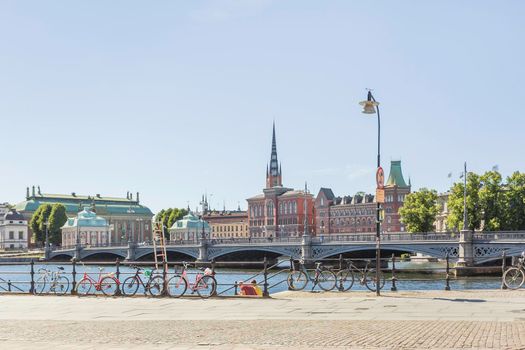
[[19, 276]]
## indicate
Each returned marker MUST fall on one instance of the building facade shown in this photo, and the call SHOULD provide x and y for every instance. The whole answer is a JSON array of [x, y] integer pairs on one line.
[[189, 228], [279, 211], [357, 214], [87, 229], [441, 218], [13, 231], [127, 218]]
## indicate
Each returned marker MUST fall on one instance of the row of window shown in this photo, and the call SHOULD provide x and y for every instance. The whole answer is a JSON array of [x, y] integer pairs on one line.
[[11, 235], [285, 207], [227, 228]]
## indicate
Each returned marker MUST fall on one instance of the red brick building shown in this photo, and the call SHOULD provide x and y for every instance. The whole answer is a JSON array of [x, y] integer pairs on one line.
[[357, 214], [280, 211]]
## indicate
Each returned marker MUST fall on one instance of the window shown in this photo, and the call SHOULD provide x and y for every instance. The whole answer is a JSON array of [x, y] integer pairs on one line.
[[20, 234], [11, 234], [322, 201]]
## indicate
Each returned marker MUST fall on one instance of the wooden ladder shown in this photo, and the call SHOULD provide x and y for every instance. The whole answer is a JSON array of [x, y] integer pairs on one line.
[[159, 246]]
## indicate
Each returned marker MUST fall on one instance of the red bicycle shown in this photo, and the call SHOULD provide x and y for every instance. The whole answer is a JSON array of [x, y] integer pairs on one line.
[[205, 283], [108, 284]]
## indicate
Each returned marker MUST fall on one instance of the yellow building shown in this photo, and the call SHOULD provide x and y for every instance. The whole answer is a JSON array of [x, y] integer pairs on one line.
[[228, 224]]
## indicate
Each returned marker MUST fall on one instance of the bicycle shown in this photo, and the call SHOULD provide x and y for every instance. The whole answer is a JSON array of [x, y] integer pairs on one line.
[[106, 283], [154, 285], [205, 283], [514, 276], [298, 279], [58, 284], [345, 278]]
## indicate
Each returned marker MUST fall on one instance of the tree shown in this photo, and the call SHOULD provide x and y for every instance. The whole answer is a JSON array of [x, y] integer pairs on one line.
[[419, 210], [514, 202], [168, 218], [455, 204], [176, 214], [38, 221], [492, 201], [57, 219]]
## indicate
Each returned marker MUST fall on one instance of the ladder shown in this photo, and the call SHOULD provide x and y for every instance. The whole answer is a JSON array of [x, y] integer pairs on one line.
[[159, 246]]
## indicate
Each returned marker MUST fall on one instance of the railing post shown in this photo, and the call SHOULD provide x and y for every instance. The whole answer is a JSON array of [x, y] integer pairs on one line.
[[32, 286], [265, 287], [394, 279], [8, 285], [213, 274], [235, 289], [447, 277], [503, 268], [74, 276], [340, 262], [117, 273]]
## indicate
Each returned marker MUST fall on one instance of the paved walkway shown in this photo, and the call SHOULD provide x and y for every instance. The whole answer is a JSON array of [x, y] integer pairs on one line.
[[423, 320]]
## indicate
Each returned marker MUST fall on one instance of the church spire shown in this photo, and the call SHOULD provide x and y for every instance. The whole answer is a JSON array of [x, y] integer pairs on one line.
[[273, 174]]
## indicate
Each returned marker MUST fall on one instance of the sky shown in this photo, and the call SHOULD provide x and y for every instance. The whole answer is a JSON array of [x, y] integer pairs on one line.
[[175, 98]]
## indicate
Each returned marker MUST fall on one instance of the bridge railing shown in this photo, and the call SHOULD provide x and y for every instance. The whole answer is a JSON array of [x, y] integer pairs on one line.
[[499, 235], [371, 237]]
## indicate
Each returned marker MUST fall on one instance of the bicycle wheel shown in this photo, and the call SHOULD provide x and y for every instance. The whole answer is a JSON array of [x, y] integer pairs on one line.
[[130, 286], [177, 286], [84, 286], [345, 280], [513, 278], [206, 286], [40, 285], [61, 285], [326, 280], [155, 286], [109, 286], [370, 280], [297, 280]]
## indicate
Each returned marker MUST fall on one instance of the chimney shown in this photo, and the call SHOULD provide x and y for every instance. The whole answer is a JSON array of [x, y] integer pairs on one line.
[[27, 192], [138, 198], [73, 194]]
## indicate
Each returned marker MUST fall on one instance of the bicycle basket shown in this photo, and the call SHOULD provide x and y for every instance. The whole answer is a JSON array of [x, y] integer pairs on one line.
[[208, 271], [147, 272]]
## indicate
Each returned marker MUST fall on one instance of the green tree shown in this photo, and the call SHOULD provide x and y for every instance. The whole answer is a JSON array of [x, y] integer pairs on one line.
[[492, 201], [419, 210], [455, 204], [38, 221], [175, 215], [514, 202], [57, 219]]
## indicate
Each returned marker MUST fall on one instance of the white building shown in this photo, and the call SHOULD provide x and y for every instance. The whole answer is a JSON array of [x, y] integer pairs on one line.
[[88, 227], [189, 228], [13, 230]]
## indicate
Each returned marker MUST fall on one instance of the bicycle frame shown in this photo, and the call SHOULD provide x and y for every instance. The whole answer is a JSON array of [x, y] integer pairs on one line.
[[192, 286], [100, 277]]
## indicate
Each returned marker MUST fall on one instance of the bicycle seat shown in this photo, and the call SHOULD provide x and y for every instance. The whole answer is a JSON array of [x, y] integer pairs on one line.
[[61, 268], [318, 263]]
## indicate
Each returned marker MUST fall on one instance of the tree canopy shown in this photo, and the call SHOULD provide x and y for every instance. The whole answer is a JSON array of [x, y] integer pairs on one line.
[[55, 217], [169, 216], [419, 210]]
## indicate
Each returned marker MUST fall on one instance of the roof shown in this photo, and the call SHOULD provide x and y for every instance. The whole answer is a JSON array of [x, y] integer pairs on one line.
[[13, 215], [259, 196], [86, 218], [190, 221], [293, 193], [396, 175], [103, 205], [327, 193]]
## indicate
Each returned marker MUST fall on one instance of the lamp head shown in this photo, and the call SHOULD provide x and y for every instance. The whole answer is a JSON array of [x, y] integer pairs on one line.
[[369, 107]]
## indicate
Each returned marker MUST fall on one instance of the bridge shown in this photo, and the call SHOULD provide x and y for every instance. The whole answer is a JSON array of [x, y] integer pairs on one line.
[[469, 248]]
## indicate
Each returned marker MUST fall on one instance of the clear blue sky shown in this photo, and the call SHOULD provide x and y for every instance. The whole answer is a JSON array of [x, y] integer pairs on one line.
[[172, 98]]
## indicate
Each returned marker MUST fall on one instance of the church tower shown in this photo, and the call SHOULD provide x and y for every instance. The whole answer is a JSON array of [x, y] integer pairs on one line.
[[273, 171]]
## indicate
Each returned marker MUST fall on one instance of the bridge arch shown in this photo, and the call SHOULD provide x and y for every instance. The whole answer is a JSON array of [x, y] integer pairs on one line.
[[102, 255], [276, 251], [436, 251], [62, 256]]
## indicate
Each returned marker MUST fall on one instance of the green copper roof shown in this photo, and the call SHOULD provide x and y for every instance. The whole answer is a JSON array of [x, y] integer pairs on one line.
[[190, 221], [396, 175], [103, 205], [86, 218]]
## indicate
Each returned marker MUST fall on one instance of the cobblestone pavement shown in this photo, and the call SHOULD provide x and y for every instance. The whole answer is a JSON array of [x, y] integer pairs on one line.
[[263, 334], [326, 321]]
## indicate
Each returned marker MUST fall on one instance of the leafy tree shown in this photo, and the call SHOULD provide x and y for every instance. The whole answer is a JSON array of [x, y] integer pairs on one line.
[[419, 210], [176, 214], [455, 204], [57, 219], [514, 201], [168, 218], [38, 221], [492, 201]]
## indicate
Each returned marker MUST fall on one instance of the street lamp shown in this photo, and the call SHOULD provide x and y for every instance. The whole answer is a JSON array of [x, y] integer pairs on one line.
[[371, 106]]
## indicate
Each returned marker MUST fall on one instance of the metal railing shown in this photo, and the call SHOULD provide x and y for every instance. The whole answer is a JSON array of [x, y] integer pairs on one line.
[[18, 277]]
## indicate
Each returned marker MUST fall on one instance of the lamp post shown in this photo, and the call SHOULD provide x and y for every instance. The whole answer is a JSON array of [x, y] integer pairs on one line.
[[371, 106]]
